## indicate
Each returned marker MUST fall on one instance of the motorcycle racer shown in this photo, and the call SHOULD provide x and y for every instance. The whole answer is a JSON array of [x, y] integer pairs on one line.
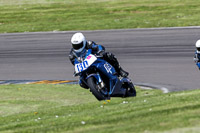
[[80, 45], [197, 53]]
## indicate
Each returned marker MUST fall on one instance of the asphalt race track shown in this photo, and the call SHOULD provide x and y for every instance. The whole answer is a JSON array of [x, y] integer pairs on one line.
[[161, 57]]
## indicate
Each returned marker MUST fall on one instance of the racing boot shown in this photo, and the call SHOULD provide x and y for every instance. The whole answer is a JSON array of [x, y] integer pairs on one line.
[[123, 73], [110, 58]]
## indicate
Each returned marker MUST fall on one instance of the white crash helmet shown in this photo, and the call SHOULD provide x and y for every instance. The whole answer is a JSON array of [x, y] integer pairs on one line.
[[78, 42], [198, 46]]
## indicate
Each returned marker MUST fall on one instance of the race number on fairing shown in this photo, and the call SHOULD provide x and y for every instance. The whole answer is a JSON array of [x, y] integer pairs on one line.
[[85, 64]]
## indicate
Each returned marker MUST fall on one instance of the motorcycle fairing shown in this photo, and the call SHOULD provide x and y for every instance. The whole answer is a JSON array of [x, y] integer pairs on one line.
[[108, 70]]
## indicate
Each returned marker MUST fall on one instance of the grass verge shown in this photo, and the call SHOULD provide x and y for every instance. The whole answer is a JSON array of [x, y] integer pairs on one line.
[[69, 108], [62, 15]]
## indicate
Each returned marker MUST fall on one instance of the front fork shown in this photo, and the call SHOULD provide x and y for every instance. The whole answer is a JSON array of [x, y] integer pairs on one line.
[[98, 79], [100, 84]]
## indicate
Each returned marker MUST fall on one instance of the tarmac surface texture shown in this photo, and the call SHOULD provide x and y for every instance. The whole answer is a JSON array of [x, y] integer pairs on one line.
[[157, 56]]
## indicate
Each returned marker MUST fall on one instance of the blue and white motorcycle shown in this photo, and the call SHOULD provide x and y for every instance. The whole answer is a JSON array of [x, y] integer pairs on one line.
[[196, 59], [101, 78]]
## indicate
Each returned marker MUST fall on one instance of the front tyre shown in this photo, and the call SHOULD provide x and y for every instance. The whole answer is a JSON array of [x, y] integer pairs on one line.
[[95, 89]]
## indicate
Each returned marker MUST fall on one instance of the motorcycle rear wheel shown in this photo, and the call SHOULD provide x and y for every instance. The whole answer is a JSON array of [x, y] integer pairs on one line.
[[94, 89], [130, 92]]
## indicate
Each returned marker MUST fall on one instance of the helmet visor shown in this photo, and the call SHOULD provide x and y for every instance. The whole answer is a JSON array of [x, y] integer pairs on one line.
[[77, 46], [198, 49]]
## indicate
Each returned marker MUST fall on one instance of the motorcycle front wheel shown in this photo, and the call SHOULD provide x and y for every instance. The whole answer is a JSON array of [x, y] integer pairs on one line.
[[95, 89]]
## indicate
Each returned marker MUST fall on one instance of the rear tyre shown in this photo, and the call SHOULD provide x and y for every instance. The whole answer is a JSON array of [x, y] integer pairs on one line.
[[95, 89], [130, 92]]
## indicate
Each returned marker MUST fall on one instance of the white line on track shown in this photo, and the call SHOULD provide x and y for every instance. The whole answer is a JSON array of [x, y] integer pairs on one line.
[[152, 86], [165, 90]]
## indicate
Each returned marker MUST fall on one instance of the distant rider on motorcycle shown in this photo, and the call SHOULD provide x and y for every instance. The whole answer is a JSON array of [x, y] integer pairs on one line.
[[80, 45], [197, 53]]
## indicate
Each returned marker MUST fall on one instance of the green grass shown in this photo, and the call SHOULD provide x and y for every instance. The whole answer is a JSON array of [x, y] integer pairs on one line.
[[69, 108], [63, 15]]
